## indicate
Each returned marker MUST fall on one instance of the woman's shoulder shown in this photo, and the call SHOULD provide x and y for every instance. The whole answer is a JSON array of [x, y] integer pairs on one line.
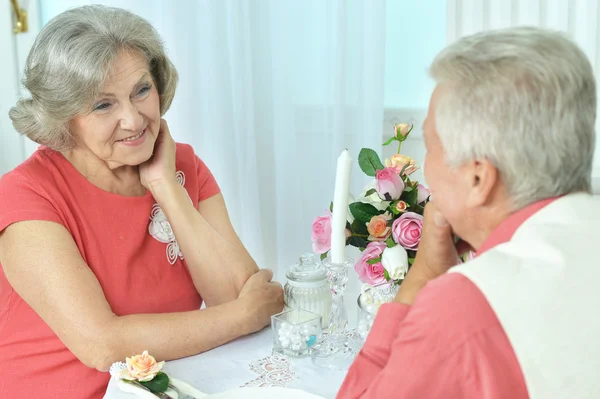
[[37, 170], [188, 162], [30, 191], [198, 178]]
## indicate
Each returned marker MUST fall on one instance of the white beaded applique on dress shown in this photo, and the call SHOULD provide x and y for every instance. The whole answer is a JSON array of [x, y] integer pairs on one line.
[[161, 230]]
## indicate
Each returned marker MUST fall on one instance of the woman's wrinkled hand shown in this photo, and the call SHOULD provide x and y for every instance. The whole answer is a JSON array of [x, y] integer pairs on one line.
[[262, 298], [159, 170]]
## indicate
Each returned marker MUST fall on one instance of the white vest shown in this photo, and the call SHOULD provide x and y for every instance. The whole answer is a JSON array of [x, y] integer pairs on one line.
[[544, 286]]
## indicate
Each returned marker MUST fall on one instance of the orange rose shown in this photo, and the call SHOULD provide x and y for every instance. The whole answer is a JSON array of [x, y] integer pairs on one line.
[[378, 227], [141, 367], [398, 161], [401, 206], [401, 130]]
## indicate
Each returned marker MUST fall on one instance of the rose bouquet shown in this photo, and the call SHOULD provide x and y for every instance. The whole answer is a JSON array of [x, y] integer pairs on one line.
[[385, 221]]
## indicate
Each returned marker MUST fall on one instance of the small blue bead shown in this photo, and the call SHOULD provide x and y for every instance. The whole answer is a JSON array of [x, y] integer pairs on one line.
[[311, 340]]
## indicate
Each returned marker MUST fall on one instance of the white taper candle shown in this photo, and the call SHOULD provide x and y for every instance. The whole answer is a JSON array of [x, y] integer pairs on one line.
[[340, 207]]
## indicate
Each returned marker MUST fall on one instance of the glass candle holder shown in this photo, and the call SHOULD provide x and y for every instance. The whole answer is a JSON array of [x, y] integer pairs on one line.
[[338, 349], [295, 331]]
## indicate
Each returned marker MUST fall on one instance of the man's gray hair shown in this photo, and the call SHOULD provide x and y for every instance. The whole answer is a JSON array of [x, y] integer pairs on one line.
[[524, 99], [71, 59]]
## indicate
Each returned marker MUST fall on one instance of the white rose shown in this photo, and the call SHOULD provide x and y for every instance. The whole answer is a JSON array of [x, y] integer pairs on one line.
[[373, 199], [395, 261]]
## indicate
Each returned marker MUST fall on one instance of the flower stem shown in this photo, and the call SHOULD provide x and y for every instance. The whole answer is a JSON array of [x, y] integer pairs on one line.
[[399, 145]]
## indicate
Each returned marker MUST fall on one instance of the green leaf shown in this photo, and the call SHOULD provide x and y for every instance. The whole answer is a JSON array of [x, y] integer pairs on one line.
[[359, 228], [374, 261], [389, 141], [358, 242], [158, 384], [363, 212], [386, 275], [361, 249], [411, 261], [418, 209], [331, 207], [324, 255], [369, 162], [390, 242], [410, 197], [371, 191]]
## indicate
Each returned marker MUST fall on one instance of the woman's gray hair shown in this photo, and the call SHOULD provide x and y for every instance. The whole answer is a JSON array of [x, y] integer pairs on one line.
[[71, 59], [524, 99]]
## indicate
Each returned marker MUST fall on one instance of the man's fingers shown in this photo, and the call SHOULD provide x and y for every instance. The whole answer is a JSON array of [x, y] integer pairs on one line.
[[462, 247], [435, 220]]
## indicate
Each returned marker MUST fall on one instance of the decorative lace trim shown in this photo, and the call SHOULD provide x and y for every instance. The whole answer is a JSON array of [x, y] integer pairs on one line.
[[274, 371], [161, 230]]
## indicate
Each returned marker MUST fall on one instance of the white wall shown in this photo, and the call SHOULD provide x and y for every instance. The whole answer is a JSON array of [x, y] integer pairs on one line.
[[415, 33]]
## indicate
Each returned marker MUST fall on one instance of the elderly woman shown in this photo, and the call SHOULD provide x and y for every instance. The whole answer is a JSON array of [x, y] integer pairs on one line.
[[510, 140], [111, 234]]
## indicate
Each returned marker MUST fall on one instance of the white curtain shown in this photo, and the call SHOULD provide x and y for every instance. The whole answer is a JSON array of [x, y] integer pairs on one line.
[[271, 91]]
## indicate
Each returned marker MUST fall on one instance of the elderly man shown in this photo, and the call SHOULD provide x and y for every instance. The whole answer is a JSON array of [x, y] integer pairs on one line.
[[510, 140]]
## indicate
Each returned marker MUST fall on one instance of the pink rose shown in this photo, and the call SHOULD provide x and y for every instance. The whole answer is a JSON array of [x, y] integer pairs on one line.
[[406, 230], [375, 273], [321, 233], [422, 194], [389, 184], [398, 161], [141, 367], [378, 227]]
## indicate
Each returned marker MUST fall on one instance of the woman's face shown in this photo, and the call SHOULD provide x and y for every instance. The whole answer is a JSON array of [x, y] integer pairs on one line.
[[124, 121]]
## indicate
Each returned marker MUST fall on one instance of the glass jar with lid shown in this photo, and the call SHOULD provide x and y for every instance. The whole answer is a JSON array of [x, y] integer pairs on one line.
[[307, 287]]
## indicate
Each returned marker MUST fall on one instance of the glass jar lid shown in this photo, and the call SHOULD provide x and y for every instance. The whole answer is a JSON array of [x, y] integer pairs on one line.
[[308, 271]]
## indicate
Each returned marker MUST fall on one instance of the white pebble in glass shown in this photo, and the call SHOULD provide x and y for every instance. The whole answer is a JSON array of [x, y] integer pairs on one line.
[[295, 331]]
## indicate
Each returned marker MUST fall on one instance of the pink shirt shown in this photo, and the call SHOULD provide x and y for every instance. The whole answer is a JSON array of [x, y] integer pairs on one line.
[[448, 344], [111, 232]]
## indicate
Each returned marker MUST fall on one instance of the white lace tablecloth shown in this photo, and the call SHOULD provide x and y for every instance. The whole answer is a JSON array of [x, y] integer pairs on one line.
[[247, 362]]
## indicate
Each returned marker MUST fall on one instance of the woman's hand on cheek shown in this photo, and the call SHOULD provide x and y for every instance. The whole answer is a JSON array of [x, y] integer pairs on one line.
[[159, 170]]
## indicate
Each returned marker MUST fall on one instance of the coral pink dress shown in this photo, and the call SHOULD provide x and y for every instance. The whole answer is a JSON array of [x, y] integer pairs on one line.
[[125, 243]]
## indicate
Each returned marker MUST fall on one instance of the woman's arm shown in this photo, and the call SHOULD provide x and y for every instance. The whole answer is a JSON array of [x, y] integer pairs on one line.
[[218, 262], [43, 265]]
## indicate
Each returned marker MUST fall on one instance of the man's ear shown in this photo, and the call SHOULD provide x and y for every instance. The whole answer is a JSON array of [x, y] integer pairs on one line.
[[482, 178]]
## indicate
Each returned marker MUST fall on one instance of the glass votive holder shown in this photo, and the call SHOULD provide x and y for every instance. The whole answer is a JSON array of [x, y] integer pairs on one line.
[[369, 302], [295, 331]]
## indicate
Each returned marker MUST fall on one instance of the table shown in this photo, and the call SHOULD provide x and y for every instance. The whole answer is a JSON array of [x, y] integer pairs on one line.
[[228, 367]]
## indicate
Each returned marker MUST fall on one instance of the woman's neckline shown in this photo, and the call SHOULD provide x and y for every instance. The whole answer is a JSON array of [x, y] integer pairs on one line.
[[79, 177]]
